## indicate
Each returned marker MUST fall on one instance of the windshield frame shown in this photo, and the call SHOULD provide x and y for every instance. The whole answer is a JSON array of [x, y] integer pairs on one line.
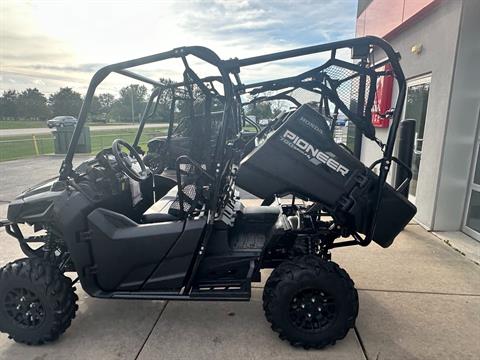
[[122, 68]]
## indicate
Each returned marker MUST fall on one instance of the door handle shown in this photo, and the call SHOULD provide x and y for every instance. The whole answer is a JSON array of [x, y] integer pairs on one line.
[[417, 142]]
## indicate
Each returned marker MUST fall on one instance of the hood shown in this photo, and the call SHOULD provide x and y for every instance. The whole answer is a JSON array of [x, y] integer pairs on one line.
[[39, 188], [36, 203]]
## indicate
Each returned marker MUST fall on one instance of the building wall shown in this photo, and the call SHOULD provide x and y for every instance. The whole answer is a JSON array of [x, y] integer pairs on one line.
[[462, 123], [438, 33]]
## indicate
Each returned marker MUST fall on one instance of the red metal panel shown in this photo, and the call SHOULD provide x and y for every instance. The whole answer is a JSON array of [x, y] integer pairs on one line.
[[382, 17], [412, 7], [360, 29]]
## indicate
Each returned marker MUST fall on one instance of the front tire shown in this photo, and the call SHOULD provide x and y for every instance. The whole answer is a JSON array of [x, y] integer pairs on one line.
[[310, 302], [37, 302]]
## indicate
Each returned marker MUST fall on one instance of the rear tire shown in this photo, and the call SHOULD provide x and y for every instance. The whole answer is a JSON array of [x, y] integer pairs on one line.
[[37, 302], [310, 302]]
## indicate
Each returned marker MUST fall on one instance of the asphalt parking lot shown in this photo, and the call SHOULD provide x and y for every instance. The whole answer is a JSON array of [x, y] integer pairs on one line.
[[18, 175], [419, 299]]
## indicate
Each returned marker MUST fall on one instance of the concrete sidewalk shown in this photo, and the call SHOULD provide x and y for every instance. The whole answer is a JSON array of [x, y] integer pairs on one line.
[[419, 299]]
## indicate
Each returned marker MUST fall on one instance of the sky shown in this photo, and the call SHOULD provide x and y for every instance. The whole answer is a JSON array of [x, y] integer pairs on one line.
[[51, 44]]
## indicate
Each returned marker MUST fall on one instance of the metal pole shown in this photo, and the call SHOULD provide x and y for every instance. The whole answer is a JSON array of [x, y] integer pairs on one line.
[[35, 145], [405, 151], [357, 148], [133, 112]]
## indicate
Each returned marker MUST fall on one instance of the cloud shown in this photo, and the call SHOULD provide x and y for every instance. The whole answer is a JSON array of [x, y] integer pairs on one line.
[[88, 68], [281, 23], [66, 42], [18, 48]]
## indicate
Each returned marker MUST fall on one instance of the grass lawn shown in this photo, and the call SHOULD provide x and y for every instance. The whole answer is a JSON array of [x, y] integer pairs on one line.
[[17, 147], [21, 124], [29, 124]]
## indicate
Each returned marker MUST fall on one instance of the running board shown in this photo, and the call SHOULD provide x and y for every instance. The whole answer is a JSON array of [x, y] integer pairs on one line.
[[234, 290], [225, 291], [232, 295], [229, 289]]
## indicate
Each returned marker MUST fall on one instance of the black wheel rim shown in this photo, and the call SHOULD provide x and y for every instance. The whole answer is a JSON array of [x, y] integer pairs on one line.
[[312, 310], [24, 308]]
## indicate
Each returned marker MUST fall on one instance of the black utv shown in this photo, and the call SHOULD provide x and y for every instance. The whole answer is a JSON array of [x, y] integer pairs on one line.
[[180, 231]]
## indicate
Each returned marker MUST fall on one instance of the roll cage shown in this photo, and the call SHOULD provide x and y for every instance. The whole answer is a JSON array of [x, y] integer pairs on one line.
[[122, 68], [331, 80], [348, 87]]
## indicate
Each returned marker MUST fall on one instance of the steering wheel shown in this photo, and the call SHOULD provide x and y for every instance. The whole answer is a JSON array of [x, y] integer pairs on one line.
[[126, 162]]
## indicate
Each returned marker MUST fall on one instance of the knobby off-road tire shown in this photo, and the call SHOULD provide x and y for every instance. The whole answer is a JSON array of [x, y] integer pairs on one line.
[[310, 302], [37, 302]]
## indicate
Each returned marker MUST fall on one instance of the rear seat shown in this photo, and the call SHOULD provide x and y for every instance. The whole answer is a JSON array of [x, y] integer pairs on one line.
[[262, 214]]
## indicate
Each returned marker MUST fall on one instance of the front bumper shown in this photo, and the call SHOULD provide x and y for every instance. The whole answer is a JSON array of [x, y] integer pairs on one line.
[[13, 230], [5, 222]]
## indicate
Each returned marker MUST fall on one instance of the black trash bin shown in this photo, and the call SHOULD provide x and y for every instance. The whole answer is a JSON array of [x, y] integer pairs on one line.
[[63, 136]]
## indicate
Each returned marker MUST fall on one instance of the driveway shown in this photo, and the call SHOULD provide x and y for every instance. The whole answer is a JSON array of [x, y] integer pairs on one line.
[[18, 175], [419, 299]]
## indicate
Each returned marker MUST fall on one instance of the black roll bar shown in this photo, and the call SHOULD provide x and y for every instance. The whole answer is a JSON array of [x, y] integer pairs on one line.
[[146, 115], [360, 48], [138, 77], [282, 96], [202, 53]]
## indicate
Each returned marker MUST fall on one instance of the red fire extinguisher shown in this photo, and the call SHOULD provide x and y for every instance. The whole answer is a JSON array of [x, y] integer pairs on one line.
[[383, 99]]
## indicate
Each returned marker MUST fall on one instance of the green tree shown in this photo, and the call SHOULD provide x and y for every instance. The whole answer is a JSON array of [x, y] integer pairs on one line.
[[101, 107], [8, 104], [120, 112], [32, 104], [277, 106], [163, 109], [65, 102], [261, 110], [138, 92], [95, 107], [131, 102], [106, 102]]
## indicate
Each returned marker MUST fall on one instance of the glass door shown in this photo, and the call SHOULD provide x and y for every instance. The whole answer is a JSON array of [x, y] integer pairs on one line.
[[416, 108], [471, 225]]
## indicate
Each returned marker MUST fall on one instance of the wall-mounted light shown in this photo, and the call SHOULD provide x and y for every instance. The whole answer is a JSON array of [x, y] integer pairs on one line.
[[417, 49]]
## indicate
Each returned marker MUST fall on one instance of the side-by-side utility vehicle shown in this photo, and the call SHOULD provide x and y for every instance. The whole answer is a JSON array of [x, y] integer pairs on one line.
[[165, 221]]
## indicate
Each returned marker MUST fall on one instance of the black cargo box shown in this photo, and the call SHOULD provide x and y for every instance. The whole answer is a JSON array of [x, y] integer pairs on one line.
[[301, 157]]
